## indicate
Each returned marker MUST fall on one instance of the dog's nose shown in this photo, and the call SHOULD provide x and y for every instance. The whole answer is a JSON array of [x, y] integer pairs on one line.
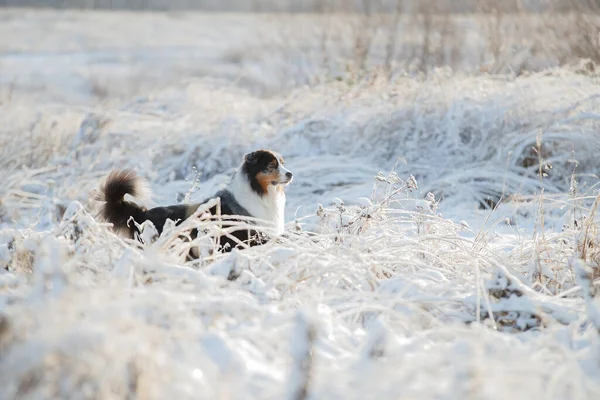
[[289, 175]]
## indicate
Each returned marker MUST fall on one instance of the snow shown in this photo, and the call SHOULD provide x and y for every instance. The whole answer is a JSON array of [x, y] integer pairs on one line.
[[424, 257]]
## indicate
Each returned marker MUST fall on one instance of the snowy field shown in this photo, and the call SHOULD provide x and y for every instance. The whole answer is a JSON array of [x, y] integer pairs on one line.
[[442, 236]]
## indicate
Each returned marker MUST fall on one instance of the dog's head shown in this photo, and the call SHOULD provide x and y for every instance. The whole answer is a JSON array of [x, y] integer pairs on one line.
[[265, 170]]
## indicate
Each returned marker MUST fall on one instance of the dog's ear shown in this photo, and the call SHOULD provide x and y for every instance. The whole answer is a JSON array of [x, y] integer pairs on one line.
[[250, 157]]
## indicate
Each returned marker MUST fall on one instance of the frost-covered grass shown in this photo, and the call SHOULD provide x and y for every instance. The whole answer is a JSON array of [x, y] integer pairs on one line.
[[442, 238]]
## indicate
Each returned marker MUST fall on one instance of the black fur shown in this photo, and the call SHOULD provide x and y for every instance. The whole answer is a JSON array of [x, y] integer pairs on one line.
[[256, 162], [230, 206], [116, 210], [119, 212], [159, 215]]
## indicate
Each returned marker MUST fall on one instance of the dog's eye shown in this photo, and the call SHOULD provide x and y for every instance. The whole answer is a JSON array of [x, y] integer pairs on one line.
[[273, 165]]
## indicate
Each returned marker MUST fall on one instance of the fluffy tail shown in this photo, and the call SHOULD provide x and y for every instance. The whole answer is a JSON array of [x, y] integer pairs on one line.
[[115, 209]]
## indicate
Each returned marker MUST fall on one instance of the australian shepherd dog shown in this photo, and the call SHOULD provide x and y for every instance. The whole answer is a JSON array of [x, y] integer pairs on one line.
[[256, 190]]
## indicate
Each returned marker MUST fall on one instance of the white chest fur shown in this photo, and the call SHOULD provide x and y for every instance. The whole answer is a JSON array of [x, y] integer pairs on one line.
[[269, 207]]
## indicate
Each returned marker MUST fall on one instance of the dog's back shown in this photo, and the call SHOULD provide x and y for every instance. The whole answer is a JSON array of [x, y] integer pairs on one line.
[[125, 214]]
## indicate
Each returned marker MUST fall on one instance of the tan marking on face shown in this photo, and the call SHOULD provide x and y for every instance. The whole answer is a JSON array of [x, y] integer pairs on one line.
[[265, 179]]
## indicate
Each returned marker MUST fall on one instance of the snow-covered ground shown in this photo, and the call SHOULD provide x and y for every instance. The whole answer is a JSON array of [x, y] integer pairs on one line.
[[440, 265]]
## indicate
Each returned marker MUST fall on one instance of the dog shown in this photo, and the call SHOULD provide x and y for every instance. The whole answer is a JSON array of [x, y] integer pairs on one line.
[[255, 190]]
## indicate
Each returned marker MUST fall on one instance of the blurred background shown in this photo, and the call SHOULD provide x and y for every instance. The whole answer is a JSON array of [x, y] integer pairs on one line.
[[297, 41], [308, 5], [472, 81]]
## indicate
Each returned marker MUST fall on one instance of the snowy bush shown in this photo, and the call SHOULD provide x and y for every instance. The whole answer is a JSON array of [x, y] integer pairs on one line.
[[442, 242]]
